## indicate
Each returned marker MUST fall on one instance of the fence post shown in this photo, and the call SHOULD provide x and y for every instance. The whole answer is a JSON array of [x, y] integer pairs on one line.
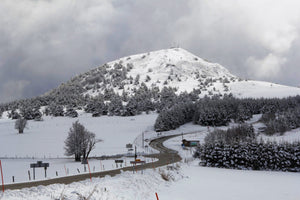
[[29, 175], [65, 170]]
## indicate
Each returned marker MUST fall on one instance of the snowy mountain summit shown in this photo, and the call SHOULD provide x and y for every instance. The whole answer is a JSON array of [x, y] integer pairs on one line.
[[176, 68]]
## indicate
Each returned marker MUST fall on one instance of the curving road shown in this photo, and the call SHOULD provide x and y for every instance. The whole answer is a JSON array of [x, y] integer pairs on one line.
[[165, 157]]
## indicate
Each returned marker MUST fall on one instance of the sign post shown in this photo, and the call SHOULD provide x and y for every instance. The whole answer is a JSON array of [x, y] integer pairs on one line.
[[84, 162], [134, 163], [120, 162], [39, 164]]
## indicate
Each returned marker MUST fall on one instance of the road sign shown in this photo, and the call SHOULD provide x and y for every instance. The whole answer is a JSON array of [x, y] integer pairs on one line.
[[37, 165]]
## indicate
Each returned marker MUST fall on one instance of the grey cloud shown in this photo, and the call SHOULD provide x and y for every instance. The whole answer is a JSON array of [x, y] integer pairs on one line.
[[44, 43]]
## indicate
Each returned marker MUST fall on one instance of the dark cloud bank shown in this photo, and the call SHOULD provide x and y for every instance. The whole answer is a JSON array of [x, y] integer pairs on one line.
[[44, 43]]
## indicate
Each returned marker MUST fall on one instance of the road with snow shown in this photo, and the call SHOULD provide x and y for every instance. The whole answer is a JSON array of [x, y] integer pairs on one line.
[[165, 157]]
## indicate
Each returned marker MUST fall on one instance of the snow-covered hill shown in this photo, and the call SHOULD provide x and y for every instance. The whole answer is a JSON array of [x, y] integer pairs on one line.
[[173, 67], [137, 83], [176, 68]]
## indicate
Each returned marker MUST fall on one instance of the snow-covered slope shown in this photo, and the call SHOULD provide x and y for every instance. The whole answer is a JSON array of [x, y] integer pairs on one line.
[[175, 68], [257, 89]]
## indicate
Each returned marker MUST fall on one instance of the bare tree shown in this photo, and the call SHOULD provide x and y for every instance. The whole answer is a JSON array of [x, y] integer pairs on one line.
[[20, 124], [80, 142]]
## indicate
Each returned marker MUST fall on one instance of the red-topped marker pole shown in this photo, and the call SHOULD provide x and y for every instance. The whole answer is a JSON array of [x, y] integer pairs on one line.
[[89, 170], [156, 196], [2, 177]]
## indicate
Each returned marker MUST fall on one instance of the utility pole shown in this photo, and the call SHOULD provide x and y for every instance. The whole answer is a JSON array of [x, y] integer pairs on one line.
[[135, 156], [143, 140]]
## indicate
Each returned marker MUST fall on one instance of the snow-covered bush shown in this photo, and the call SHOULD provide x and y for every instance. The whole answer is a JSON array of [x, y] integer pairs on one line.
[[282, 121], [241, 133], [71, 112], [251, 156], [13, 114], [55, 110]]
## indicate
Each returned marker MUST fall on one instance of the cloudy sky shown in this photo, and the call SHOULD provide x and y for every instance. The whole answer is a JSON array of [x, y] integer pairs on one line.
[[46, 42]]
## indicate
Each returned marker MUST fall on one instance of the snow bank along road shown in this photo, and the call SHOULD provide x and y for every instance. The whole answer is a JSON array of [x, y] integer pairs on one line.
[[166, 156]]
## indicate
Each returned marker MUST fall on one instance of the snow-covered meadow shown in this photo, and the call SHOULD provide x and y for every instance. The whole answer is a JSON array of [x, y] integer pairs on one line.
[[17, 152], [45, 139], [188, 182]]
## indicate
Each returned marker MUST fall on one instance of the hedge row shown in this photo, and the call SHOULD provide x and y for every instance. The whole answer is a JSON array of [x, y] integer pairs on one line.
[[251, 156]]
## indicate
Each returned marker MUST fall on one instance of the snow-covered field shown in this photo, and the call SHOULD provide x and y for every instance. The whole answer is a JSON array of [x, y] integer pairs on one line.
[[189, 182], [45, 139], [226, 184]]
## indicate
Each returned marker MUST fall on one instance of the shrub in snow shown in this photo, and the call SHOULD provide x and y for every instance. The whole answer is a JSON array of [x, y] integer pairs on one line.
[[147, 78], [70, 112], [14, 114], [115, 107], [137, 80], [37, 115], [54, 110]]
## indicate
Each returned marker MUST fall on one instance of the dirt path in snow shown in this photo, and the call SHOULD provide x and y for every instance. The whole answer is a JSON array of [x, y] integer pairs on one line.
[[165, 157]]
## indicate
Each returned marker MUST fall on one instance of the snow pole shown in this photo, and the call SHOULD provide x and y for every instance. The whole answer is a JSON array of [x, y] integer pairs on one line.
[[156, 196], [2, 177], [65, 170], [152, 163], [89, 169]]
